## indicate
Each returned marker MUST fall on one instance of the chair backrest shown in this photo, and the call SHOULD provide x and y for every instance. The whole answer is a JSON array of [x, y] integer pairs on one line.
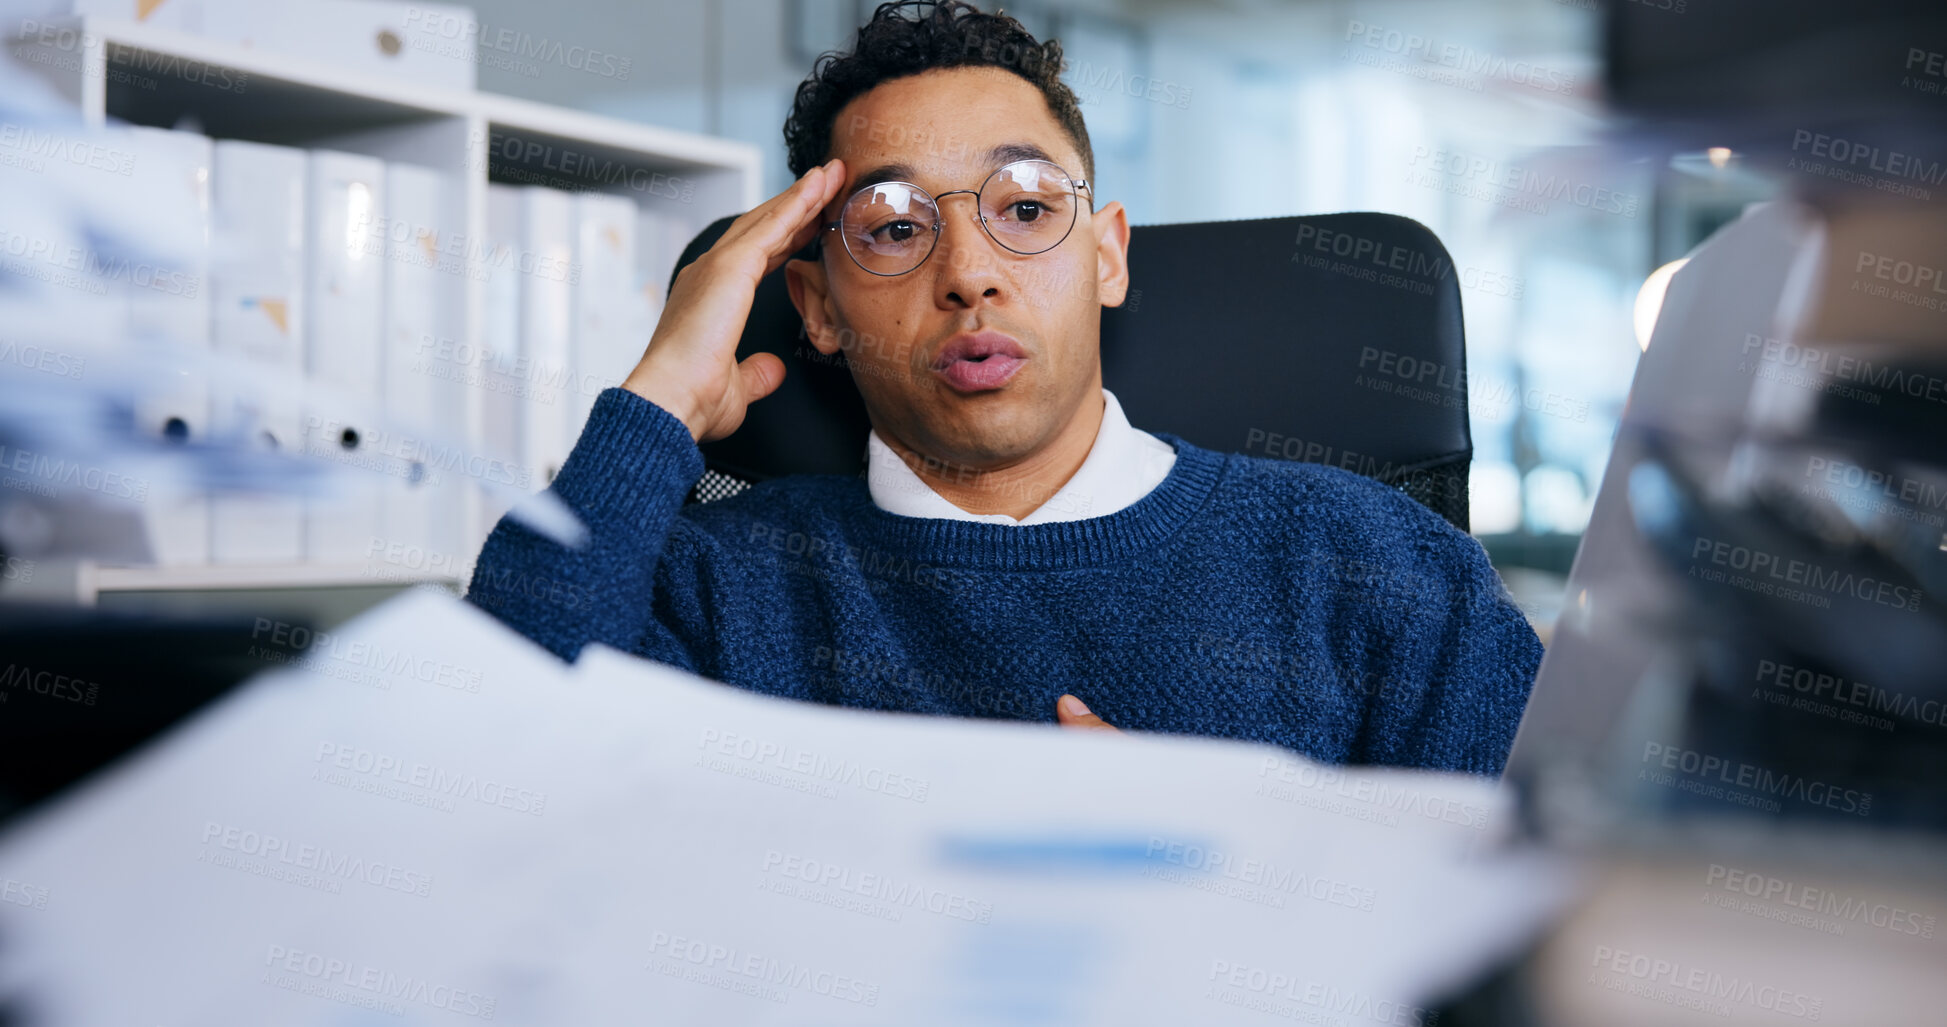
[[1332, 338]]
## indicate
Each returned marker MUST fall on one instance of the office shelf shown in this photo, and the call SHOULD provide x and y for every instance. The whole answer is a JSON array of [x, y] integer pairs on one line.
[[122, 71], [84, 582]]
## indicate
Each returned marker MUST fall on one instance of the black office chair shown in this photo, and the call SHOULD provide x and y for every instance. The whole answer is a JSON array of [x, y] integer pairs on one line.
[[1332, 338]]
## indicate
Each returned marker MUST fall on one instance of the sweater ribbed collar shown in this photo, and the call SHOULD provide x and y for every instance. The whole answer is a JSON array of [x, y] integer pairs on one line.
[[1059, 545]]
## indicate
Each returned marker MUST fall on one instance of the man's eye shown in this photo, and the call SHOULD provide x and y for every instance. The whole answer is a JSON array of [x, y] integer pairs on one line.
[[895, 231], [1027, 210]]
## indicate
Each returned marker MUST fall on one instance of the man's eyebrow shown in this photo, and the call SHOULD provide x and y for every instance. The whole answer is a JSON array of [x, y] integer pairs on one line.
[[1008, 153], [1005, 153], [884, 173]]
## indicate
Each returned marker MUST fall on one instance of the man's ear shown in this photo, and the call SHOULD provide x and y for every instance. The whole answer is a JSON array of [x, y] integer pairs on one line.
[[811, 293], [1111, 225]]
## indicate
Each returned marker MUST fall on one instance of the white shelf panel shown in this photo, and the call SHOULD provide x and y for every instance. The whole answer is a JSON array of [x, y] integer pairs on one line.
[[199, 53], [273, 76], [681, 147], [245, 576]]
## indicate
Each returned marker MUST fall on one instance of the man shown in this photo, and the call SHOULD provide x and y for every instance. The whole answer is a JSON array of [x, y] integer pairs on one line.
[[1017, 546]]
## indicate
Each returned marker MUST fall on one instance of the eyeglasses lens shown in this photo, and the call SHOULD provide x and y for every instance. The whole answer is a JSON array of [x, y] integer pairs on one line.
[[890, 229]]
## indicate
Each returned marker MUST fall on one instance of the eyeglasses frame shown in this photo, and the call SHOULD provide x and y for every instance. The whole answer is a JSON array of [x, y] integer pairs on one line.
[[1076, 185]]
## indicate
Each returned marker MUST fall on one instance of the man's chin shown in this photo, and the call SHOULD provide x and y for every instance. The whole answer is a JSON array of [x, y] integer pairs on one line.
[[981, 429], [985, 446]]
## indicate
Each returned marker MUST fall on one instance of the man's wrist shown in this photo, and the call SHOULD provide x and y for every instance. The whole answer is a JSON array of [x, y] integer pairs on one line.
[[633, 462], [645, 386]]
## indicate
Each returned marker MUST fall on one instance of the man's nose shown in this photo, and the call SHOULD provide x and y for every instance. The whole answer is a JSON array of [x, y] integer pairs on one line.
[[972, 259]]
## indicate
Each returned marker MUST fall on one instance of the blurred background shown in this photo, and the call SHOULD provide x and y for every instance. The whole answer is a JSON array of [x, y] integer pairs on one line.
[[1219, 109], [1484, 121]]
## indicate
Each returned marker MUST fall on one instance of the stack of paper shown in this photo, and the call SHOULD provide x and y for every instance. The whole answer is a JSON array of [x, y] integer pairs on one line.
[[431, 819]]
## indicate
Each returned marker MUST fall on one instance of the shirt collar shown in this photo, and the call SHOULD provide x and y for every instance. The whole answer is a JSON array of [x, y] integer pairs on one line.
[[1123, 464]]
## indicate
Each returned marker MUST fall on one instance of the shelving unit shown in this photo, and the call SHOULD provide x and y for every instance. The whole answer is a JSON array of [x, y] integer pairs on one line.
[[85, 581], [119, 71]]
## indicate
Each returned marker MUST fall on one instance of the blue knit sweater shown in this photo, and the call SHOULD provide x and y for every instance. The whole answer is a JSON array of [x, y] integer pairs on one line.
[[1244, 598]]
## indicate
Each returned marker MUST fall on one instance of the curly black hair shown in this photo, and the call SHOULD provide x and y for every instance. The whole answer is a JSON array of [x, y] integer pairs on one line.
[[946, 34]]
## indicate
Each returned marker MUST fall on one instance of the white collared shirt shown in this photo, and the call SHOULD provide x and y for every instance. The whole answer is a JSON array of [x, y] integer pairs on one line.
[[1122, 466]]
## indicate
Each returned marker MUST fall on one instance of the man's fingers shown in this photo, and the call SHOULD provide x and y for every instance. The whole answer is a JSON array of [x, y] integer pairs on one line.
[[783, 225], [749, 241], [765, 213], [690, 367], [810, 219], [755, 245], [1072, 712]]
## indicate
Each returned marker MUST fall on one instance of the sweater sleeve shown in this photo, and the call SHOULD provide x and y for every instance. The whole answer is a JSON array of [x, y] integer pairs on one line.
[[1462, 665], [1480, 683], [1447, 657], [626, 479]]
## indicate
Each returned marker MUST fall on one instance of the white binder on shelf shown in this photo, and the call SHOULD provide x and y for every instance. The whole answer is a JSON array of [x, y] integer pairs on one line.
[[420, 373], [549, 275], [257, 203], [660, 238], [494, 368], [169, 311], [608, 337], [345, 318]]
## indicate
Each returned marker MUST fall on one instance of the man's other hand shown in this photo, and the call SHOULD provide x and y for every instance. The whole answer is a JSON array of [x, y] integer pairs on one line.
[[1072, 712]]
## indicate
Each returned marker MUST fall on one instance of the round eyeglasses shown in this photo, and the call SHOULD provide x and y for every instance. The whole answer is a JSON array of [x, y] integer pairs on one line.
[[890, 228]]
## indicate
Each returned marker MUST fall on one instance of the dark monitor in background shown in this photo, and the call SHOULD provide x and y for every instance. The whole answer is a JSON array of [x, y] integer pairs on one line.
[[79, 688]]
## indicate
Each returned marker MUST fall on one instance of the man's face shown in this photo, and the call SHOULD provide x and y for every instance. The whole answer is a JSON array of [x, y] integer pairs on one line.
[[942, 127]]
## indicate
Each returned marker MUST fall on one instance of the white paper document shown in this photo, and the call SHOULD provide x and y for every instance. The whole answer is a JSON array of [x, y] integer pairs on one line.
[[427, 820]]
